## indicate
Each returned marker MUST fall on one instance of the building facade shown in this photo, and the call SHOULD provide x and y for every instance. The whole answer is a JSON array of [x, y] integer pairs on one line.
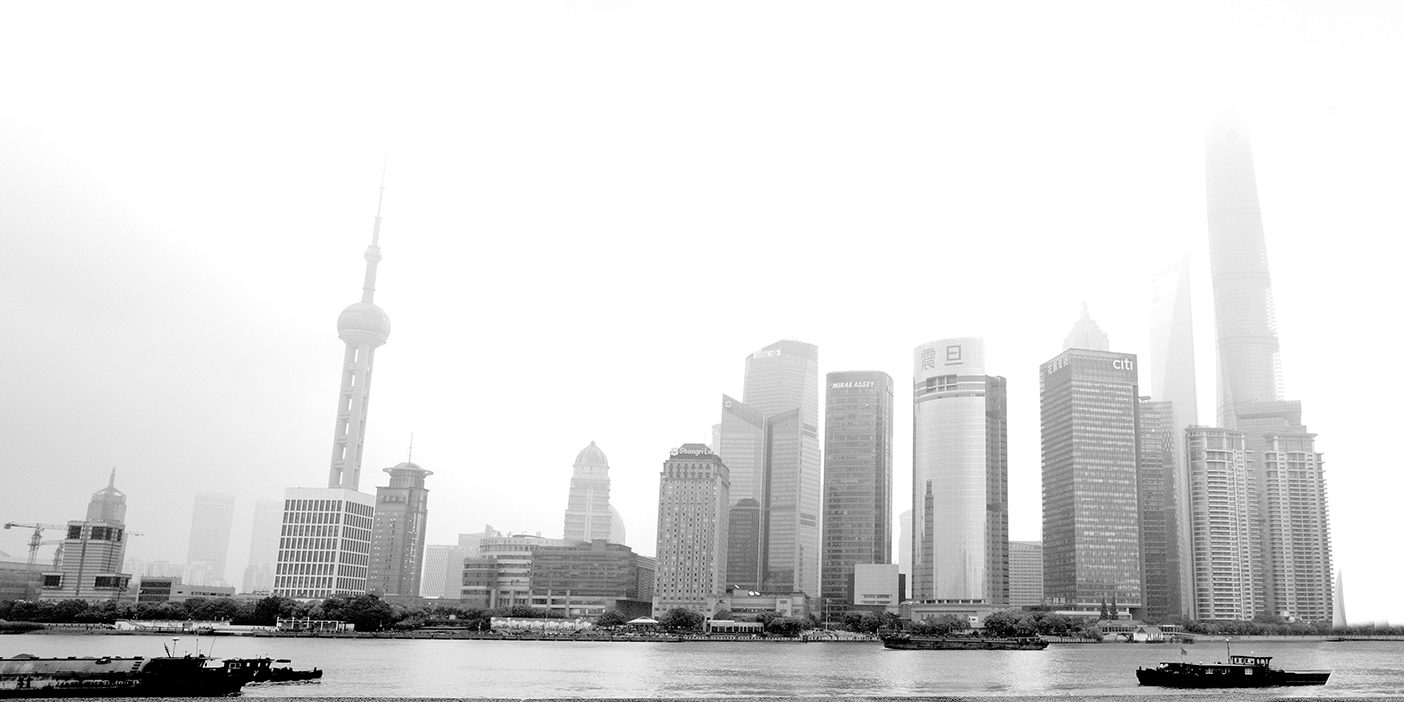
[[857, 523], [325, 543], [588, 579], [1224, 521], [1091, 518], [1156, 489], [1298, 528], [398, 532], [91, 566], [1025, 573], [500, 574], [693, 494], [588, 515], [208, 551], [960, 492]]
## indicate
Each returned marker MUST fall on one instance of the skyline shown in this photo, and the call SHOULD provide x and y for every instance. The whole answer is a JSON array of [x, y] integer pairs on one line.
[[177, 303]]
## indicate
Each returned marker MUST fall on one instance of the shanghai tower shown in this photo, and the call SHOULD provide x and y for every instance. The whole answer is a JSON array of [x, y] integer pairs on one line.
[[1288, 481], [1243, 310]]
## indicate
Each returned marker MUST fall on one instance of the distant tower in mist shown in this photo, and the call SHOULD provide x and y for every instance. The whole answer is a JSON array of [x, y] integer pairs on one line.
[[1086, 334], [208, 550], [1173, 380], [1290, 485], [588, 514], [92, 551], [327, 544], [263, 546]]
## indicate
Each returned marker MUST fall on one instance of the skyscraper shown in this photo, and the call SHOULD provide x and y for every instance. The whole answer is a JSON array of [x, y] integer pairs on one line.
[[588, 515], [1249, 368], [1091, 530], [1087, 334], [1025, 573], [398, 532], [960, 492], [263, 546], [857, 524], [91, 568], [1156, 482], [1295, 536], [692, 498], [324, 545], [1227, 563], [782, 382], [1173, 380], [208, 550], [740, 439]]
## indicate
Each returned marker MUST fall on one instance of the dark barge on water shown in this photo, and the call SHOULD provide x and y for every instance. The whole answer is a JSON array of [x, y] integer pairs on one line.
[[908, 642], [163, 676], [1240, 671]]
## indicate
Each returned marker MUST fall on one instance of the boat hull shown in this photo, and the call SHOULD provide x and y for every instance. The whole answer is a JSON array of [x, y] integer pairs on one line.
[[1190, 675], [188, 676]]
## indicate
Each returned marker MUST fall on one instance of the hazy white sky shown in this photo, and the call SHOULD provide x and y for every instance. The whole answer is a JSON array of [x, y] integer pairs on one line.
[[596, 210]]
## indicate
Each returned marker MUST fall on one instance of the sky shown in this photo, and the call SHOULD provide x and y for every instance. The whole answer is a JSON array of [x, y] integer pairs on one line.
[[594, 211]]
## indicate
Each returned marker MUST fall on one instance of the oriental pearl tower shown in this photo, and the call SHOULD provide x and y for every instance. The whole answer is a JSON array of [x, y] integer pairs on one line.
[[363, 326]]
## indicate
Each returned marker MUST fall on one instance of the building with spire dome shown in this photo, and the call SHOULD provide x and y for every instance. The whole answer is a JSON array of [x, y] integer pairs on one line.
[[93, 548], [324, 547], [398, 532], [588, 514]]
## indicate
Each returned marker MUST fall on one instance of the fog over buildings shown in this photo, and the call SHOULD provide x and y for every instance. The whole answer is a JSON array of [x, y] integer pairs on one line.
[[592, 212]]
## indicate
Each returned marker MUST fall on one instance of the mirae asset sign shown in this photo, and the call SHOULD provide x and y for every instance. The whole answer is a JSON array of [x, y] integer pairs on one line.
[[852, 384]]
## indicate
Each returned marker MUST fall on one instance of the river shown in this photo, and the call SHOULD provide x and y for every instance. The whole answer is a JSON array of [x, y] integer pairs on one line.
[[398, 668]]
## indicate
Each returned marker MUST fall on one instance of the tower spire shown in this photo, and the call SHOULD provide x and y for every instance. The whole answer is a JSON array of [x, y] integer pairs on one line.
[[373, 251]]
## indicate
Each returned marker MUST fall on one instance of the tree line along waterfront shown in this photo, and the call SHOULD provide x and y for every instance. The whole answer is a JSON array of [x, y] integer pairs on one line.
[[370, 614]]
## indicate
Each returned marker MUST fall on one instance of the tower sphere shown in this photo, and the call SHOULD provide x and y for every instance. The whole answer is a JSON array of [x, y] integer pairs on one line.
[[363, 324]]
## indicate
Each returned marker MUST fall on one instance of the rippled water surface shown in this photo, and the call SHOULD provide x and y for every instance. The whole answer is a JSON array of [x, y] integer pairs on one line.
[[393, 668]]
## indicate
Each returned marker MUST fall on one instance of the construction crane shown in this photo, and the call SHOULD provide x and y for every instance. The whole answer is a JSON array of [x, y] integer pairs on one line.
[[36, 539]]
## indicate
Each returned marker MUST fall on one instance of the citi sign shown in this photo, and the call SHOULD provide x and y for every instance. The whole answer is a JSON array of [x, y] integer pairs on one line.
[[1125, 364]]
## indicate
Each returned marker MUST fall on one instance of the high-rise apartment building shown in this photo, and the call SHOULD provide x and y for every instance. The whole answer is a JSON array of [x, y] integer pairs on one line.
[[91, 567], [1025, 573], [1173, 380], [324, 545], [1091, 519], [960, 491], [857, 524], [263, 546], [588, 515], [1156, 487], [398, 532], [1296, 544], [1227, 564], [208, 550], [692, 518]]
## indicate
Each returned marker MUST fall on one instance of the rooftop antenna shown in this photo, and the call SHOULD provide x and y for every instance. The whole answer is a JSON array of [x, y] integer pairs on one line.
[[410, 458]]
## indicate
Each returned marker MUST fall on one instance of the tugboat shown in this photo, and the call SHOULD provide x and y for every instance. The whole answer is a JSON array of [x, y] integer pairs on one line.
[[1240, 671], [110, 676], [907, 642]]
